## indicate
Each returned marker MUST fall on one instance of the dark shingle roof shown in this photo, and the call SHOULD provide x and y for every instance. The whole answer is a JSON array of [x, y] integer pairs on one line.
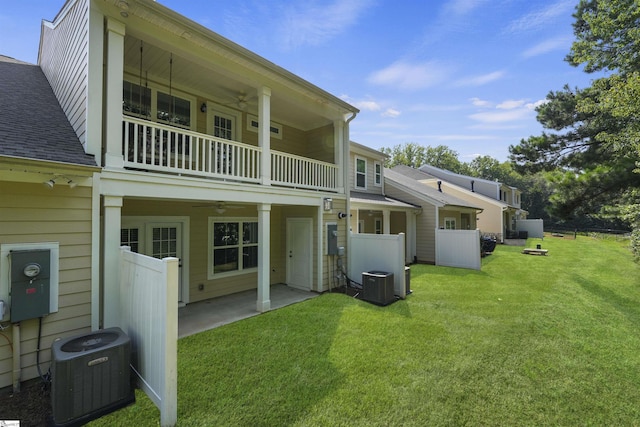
[[32, 123], [379, 199]]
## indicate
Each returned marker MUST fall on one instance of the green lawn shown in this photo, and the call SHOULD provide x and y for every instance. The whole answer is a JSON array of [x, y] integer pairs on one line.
[[528, 340]]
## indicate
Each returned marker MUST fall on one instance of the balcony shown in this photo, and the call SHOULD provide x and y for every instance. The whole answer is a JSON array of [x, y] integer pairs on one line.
[[166, 149]]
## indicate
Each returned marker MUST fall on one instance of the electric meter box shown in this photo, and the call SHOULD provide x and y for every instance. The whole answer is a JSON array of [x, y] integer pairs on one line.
[[30, 284]]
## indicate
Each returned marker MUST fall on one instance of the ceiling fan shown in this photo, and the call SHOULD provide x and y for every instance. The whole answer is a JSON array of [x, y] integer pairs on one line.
[[219, 207]]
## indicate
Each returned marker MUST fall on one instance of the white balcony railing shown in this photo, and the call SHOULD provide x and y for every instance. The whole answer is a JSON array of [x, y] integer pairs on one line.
[[153, 146], [301, 172]]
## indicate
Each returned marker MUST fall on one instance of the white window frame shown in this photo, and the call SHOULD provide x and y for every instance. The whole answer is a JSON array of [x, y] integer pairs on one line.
[[228, 113], [377, 229], [252, 125], [377, 174], [356, 173], [360, 226], [449, 221], [210, 248]]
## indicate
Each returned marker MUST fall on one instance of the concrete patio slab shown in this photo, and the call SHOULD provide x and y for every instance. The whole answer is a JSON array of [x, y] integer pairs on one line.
[[204, 315]]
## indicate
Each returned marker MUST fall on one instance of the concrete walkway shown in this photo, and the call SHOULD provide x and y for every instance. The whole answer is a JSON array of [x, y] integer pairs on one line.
[[204, 315]]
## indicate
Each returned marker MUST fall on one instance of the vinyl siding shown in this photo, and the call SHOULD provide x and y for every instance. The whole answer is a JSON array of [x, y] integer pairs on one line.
[[31, 213], [425, 224], [64, 61]]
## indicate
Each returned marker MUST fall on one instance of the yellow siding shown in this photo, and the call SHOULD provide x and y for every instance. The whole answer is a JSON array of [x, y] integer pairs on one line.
[[31, 213]]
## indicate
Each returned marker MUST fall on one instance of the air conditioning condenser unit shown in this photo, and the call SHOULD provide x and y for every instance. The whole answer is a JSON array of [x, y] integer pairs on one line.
[[90, 376]]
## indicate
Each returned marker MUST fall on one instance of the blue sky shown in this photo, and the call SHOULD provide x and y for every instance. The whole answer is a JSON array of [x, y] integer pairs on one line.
[[461, 73]]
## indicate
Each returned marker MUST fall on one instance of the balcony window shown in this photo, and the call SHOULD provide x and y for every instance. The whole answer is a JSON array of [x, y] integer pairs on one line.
[[136, 100], [174, 110]]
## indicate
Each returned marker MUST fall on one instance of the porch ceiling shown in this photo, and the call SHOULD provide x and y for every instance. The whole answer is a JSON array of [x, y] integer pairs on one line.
[[222, 85]]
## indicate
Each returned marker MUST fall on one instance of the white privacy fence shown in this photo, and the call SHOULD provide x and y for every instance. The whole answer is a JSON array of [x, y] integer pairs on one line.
[[458, 248], [378, 252], [533, 227], [149, 301]]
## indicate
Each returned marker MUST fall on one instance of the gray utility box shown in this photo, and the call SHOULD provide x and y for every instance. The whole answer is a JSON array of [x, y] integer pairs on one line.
[[30, 284], [90, 376], [377, 287]]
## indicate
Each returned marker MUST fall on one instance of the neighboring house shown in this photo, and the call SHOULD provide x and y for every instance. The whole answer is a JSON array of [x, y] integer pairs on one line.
[[440, 209], [47, 201], [372, 211], [501, 203]]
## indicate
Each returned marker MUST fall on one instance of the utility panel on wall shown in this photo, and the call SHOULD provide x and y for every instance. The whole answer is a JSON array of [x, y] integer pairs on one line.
[[30, 284], [14, 257], [332, 239]]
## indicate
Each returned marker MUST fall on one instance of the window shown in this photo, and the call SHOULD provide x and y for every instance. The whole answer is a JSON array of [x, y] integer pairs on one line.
[[136, 100], [173, 110], [130, 237], [253, 123], [378, 173], [378, 226], [223, 126], [234, 246], [449, 223], [151, 103], [361, 173]]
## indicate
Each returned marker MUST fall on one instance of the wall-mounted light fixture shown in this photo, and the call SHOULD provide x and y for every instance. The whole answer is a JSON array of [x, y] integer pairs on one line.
[[50, 183], [203, 107], [328, 203]]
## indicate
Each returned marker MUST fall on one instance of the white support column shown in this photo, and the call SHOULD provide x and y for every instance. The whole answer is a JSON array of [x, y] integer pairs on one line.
[[111, 268], [410, 235], [320, 249], [113, 93], [264, 133], [338, 153], [386, 221], [264, 262]]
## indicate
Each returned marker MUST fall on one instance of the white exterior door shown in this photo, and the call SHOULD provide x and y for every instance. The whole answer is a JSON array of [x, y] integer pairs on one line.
[[299, 253], [165, 240]]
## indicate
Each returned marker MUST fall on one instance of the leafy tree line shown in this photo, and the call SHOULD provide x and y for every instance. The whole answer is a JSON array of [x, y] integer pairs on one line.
[[590, 149]]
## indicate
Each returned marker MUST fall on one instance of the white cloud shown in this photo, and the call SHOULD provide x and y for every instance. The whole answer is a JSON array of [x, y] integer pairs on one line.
[[559, 43], [462, 7], [501, 116], [510, 104], [408, 76], [480, 80], [541, 17], [479, 102], [312, 23], [391, 112]]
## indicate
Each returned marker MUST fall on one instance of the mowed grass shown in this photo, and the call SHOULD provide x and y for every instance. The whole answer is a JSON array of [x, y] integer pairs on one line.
[[528, 340]]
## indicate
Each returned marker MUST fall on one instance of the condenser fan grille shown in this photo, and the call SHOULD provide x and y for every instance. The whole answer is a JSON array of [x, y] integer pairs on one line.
[[89, 342]]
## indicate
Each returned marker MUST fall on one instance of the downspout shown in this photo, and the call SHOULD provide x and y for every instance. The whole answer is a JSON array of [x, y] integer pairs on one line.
[[347, 189]]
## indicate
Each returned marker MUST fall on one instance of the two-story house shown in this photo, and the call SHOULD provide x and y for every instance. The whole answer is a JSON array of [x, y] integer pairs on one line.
[[210, 153], [372, 211], [501, 203]]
